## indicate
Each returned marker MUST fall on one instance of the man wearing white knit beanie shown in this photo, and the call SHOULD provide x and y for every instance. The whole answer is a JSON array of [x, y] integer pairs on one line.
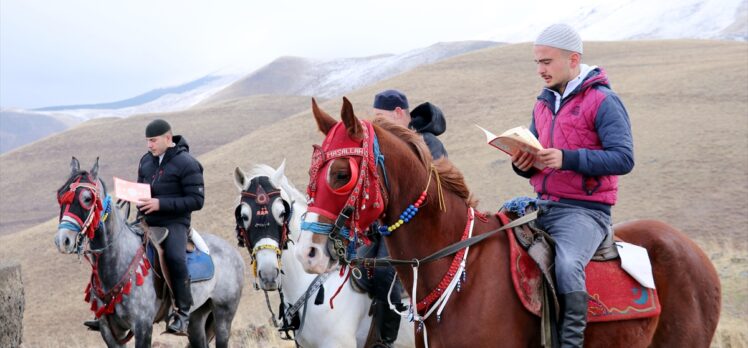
[[586, 134]]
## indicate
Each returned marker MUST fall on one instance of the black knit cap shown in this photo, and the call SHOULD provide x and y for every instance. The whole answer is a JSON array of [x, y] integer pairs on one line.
[[390, 100], [156, 128]]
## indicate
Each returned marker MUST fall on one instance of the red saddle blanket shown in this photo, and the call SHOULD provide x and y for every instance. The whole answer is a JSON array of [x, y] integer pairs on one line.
[[614, 294]]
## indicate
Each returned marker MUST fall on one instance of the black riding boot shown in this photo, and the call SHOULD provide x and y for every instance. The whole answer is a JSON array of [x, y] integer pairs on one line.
[[388, 323], [92, 324], [573, 319], [182, 301]]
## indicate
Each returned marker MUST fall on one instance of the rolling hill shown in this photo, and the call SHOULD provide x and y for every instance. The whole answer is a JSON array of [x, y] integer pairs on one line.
[[31, 173], [331, 78]]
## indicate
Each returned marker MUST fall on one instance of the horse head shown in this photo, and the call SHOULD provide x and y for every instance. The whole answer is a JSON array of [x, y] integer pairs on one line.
[[344, 190], [262, 220], [81, 199]]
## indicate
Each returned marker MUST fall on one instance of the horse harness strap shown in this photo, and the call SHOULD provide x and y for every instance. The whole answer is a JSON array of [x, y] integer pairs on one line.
[[288, 315], [313, 287], [448, 250]]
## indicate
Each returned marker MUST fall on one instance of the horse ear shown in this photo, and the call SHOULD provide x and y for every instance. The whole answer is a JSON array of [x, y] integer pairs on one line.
[[278, 175], [351, 122], [95, 169], [75, 166], [240, 178], [324, 121]]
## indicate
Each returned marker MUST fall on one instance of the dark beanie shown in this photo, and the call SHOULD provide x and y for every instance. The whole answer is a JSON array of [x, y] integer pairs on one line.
[[156, 128], [390, 99]]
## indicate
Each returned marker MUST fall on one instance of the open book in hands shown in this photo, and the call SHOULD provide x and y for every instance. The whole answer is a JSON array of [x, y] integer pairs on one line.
[[515, 140], [131, 191]]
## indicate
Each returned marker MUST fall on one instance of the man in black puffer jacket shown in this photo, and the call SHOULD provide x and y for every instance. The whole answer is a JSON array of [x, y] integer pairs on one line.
[[177, 189]]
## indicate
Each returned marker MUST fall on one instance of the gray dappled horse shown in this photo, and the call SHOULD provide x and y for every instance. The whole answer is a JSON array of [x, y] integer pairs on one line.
[[129, 305]]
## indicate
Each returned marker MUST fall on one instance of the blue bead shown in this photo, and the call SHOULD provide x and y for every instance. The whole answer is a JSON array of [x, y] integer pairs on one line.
[[416, 209]]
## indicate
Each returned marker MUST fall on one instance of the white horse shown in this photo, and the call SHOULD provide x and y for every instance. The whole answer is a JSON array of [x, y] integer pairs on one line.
[[323, 326]]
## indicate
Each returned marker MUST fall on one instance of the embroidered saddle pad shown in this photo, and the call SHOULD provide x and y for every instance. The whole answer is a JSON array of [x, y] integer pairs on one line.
[[614, 294], [199, 264]]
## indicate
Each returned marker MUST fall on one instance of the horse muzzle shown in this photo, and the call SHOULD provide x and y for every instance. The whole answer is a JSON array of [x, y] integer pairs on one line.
[[268, 270], [66, 241]]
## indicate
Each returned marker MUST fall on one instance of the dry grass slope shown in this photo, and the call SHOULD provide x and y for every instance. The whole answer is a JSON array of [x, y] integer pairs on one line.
[[688, 102], [31, 174]]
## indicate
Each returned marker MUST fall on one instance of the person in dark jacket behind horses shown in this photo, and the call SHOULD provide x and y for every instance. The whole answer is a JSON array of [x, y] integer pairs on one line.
[[428, 121], [177, 189]]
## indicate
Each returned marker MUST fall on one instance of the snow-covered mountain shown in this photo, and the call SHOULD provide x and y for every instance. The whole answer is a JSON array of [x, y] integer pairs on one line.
[[634, 20], [331, 78], [167, 99]]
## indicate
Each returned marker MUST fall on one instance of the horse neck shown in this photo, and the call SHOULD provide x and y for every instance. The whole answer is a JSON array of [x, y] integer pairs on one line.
[[119, 246], [431, 228], [295, 279]]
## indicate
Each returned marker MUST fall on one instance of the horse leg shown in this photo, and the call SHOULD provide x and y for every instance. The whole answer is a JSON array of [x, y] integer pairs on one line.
[[107, 335], [196, 330], [223, 315], [143, 331]]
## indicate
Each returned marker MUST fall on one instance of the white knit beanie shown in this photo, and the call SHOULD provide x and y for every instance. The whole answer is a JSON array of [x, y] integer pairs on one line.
[[561, 36]]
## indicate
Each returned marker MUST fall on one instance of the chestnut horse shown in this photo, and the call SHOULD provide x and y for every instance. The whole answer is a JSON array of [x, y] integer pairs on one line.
[[487, 312]]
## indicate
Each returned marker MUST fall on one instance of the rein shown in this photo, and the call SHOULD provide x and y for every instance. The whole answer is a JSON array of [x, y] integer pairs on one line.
[[446, 251]]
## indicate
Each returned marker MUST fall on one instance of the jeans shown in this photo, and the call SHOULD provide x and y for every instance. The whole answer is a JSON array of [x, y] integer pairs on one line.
[[578, 233]]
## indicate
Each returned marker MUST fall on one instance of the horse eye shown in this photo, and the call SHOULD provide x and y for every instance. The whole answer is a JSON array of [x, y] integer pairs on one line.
[[245, 218], [342, 176]]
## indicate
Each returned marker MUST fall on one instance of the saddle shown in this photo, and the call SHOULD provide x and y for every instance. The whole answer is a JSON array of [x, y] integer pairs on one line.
[[614, 294], [199, 263]]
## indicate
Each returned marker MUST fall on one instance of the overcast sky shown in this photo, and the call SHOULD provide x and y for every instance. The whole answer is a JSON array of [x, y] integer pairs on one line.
[[76, 51]]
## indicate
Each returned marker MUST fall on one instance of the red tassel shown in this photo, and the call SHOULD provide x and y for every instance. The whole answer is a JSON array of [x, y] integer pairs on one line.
[[118, 298], [138, 279], [126, 289], [147, 263], [67, 197], [88, 288], [88, 297], [100, 311], [110, 308], [94, 306], [144, 270]]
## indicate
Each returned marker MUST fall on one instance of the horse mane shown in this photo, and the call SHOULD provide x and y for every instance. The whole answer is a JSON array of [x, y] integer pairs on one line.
[[451, 177], [285, 183]]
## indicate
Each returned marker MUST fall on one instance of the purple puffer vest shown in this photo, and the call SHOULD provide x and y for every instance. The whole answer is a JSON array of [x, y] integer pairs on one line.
[[573, 128]]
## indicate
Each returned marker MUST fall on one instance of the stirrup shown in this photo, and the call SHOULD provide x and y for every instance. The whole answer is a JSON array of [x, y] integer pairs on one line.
[[179, 324]]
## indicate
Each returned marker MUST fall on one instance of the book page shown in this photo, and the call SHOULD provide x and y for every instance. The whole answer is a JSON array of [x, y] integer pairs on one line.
[[131, 191], [515, 140]]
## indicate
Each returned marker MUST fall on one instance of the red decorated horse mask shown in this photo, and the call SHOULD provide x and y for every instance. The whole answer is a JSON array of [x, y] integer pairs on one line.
[[344, 172]]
